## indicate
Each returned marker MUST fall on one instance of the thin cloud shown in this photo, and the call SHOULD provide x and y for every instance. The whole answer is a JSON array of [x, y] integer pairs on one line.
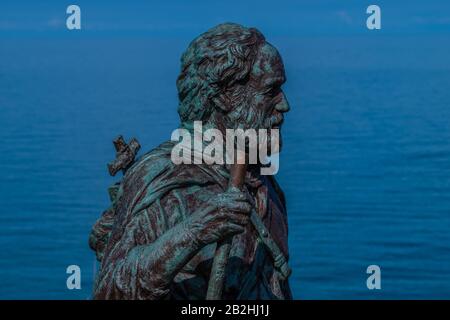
[[344, 16], [55, 23]]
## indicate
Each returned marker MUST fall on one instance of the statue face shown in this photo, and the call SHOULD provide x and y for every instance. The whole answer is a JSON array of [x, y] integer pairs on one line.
[[266, 79], [265, 102]]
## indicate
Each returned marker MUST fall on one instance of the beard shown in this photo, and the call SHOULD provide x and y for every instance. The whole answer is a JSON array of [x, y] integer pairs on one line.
[[248, 115]]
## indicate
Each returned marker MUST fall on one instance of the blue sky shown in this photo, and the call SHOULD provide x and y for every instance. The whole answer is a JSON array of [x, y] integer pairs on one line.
[[175, 17]]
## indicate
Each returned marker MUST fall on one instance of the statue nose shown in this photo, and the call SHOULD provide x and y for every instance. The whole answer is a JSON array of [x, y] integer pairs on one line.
[[283, 105]]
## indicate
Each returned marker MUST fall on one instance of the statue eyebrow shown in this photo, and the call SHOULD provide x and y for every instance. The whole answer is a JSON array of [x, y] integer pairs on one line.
[[275, 81]]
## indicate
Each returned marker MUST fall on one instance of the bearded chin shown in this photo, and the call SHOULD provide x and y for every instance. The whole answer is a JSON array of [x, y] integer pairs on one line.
[[248, 116]]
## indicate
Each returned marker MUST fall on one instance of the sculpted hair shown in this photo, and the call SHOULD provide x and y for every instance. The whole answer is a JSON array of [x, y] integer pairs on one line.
[[213, 62]]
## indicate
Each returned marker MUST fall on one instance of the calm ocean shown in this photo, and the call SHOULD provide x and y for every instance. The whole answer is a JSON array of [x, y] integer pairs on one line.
[[365, 165]]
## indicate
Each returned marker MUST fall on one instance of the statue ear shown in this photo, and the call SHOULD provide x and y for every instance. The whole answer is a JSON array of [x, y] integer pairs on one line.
[[222, 102]]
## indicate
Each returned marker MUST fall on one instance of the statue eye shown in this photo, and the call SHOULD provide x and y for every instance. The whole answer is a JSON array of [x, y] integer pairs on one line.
[[275, 91]]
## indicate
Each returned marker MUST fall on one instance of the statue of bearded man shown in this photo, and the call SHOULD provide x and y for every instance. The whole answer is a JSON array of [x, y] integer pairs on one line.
[[158, 238]]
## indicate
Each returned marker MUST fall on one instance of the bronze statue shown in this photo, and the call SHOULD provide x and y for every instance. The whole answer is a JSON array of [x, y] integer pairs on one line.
[[158, 238]]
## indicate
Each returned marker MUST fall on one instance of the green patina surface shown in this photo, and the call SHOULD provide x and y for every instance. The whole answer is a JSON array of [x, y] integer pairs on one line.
[[158, 238]]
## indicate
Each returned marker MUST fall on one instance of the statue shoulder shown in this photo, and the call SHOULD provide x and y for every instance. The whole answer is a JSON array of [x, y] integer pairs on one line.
[[148, 180], [154, 175], [124, 191], [154, 161]]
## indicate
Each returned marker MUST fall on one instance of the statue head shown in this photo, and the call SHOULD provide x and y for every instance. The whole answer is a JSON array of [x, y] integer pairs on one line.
[[231, 78]]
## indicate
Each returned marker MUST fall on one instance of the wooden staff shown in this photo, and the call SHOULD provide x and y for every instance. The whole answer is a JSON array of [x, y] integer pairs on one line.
[[217, 277]]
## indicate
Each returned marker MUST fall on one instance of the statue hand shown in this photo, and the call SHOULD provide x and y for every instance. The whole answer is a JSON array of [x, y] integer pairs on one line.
[[227, 215]]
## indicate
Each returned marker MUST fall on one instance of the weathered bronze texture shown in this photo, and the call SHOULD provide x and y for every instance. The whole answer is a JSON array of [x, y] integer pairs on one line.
[[217, 277], [158, 238]]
